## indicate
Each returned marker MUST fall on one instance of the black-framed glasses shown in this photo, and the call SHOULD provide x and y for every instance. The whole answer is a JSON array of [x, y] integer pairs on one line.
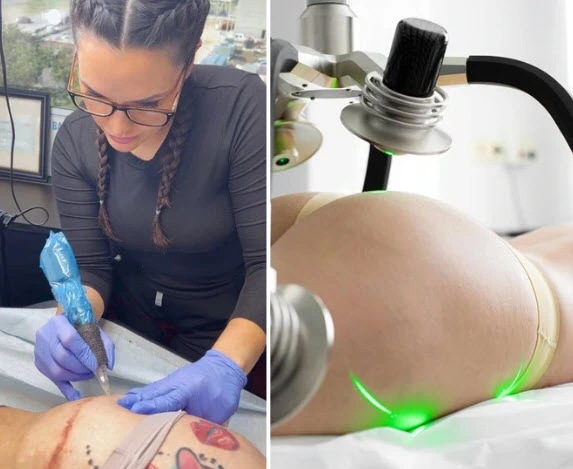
[[102, 108]]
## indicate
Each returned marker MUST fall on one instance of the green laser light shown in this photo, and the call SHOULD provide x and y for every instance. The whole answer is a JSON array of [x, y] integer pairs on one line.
[[513, 386], [368, 396], [407, 418]]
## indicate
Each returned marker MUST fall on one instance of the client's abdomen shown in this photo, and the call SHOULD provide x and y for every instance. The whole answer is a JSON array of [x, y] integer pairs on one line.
[[432, 311]]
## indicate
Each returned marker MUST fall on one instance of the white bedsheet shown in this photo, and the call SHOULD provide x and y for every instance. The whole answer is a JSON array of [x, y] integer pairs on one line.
[[532, 430], [138, 362]]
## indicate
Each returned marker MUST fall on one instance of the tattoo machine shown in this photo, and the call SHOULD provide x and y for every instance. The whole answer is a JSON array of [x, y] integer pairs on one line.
[[59, 264]]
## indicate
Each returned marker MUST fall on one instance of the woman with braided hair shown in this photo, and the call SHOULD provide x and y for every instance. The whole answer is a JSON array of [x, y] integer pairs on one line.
[[160, 178]]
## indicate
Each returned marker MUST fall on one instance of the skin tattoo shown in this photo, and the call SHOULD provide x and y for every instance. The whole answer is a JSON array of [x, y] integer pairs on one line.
[[90, 461], [206, 432], [214, 435], [187, 459]]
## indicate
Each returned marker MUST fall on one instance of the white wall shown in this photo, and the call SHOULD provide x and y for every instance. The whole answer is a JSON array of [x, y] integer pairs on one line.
[[531, 30]]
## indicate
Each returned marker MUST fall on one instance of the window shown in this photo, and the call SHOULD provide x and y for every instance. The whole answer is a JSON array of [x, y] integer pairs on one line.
[[235, 35], [39, 47]]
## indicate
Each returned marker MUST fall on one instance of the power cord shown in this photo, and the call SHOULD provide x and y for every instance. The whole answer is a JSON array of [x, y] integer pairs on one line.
[[6, 218], [5, 291]]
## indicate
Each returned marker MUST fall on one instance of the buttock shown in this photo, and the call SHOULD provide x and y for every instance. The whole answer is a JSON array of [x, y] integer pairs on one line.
[[317, 201]]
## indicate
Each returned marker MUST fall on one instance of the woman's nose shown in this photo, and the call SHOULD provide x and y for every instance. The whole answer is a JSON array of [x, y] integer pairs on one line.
[[118, 124]]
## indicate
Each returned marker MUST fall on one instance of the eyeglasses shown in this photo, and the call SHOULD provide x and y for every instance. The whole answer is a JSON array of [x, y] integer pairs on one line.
[[101, 108]]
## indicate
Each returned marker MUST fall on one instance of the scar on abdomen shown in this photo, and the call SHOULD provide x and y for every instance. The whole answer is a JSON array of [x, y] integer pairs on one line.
[[57, 454]]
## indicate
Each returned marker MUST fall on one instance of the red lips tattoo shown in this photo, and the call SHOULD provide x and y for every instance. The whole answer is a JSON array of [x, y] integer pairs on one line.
[[214, 435]]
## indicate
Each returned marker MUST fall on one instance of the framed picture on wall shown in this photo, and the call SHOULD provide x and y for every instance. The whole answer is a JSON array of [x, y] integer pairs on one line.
[[58, 115], [30, 110]]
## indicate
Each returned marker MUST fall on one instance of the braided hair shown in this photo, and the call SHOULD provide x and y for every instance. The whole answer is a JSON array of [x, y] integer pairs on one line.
[[175, 25]]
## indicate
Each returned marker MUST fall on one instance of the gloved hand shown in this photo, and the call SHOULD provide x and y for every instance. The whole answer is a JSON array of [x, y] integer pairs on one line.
[[63, 356], [209, 388]]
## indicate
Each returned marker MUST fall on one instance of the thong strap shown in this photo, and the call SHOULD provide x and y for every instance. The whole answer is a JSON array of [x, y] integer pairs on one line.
[[548, 325], [140, 446]]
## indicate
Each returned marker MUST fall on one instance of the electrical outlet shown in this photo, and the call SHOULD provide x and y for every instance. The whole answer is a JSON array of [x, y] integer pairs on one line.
[[500, 151], [522, 155], [528, 154], [490, 150]]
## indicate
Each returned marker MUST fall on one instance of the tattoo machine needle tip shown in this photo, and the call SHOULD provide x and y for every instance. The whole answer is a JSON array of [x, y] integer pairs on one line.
[[101, 375]]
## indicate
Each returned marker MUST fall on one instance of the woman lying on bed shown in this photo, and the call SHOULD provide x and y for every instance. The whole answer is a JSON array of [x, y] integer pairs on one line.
[[96, 433], [432, 311]]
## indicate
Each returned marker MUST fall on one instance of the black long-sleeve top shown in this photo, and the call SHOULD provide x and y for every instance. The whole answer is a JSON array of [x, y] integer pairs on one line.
[[217, 220]]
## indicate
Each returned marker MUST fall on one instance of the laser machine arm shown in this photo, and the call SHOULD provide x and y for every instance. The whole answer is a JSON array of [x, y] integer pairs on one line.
[[401, 97]]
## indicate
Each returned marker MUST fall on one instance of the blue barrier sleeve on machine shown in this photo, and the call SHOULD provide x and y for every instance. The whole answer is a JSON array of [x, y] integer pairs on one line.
[[59, 264]]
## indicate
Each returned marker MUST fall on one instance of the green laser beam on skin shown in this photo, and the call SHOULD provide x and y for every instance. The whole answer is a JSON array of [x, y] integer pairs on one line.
[[368, 396], [416, 417], [409, 418]]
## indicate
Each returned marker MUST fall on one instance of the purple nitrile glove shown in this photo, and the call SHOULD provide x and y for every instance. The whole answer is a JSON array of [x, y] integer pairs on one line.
[[63, 356], [209, 388]]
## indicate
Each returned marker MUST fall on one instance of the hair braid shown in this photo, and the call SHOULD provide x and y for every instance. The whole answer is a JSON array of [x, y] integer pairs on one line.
[[102, 16], [169, 164], [102, 184], [176, 24]]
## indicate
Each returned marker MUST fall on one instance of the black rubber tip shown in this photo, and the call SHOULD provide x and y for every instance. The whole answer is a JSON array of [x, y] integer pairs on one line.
[[416, 57]]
